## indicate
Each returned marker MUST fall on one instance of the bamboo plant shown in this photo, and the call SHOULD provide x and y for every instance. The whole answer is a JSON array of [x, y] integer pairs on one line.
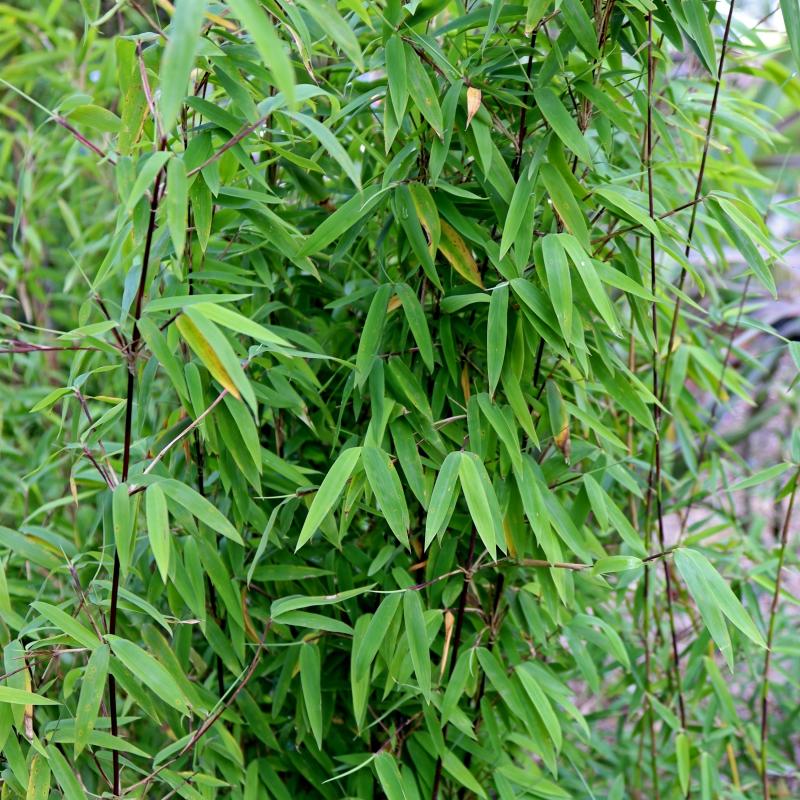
[[363, 369]]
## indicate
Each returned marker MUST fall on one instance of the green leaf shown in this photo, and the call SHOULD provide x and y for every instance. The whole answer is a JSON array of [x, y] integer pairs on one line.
[[405, 445], [65, 777], [157, 343], [146, 177], [39, 781], [24, 698], [417, 322], [328, 493], [423, 94], [417, 641], [698, 27], [329, 19], [252, 15], [559, 283], [312, 694], [67, 624], [440, 508], [457, 770], [497, 332], [177, 203], [369, 343], [562, 123], [385, 483], [389, 776], [610, 564], [482, 508], [591, 280], [517, 211], [565, 204], [766, 475], [286, 604], [94, 681], [375, 633], [200, 507], [682, 752], [158, 528], [330, 143], [541, 704], [616, 199], [504, 430], [235, 321], [347, 215], [149, 672], [411, 221], [396, 72], [714, 599], [578, 22], [176, 64], [791, 20]]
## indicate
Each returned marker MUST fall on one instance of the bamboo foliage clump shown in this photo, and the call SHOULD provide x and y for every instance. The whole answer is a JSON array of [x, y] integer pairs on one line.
[[363, 369]]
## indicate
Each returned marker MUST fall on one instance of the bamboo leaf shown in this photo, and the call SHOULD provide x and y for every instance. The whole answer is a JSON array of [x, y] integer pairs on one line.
[[559, 283], [312, 693], [369, 343], [455, 250], [701, 578], [94, 681], [791, 18], [235, 321], [65, 777], [330, 143], [443, 497], [397, 74], [177, 202], [251, 14], [579, 23], [423, 93], [150, 672], [565, 204], [375, 633], [385, 483], [329, 492], [389, 777], [682, 751], [178, 59], [497, 332], [559, 119], [158, 528], [23, 698], [153, 164], [39, 781], [200, 507], [417, 322], [417, 641], [482, 508], [698, 27]]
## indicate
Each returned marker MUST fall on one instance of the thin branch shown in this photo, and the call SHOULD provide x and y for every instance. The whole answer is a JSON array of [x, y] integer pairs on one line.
[[697, 193], [232, 142], [82, 139], [462, 605], [126, 452], [213, 717], [773, 615], [185, 432]]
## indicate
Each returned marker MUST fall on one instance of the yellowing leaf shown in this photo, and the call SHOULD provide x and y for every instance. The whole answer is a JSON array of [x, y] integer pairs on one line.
[[455, 250], [473, 103], [205, 353]]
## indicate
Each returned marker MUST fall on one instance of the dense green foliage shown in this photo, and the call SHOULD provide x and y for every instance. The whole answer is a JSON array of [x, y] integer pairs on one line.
[[359, 399]]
